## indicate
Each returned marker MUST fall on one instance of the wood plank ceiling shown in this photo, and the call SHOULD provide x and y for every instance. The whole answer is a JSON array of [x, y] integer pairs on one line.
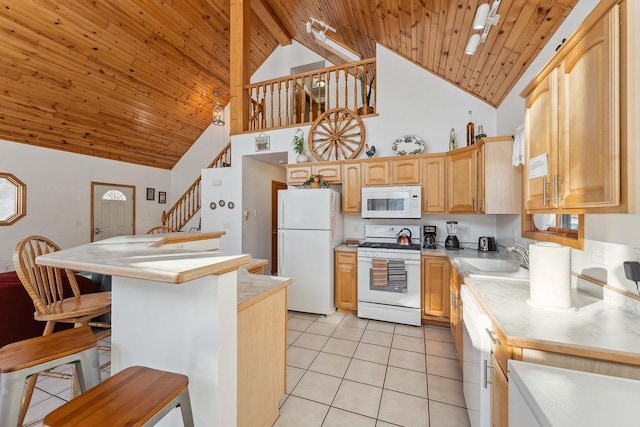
[[134, 80]]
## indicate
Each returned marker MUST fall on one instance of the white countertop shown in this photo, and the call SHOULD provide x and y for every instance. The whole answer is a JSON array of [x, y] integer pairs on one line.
[[254, 287], [567, 398], [138, 257], [597, 326]]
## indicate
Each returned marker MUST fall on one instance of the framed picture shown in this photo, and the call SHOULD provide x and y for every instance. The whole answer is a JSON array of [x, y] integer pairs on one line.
[[151, 193], [262, 142], [162, 197]]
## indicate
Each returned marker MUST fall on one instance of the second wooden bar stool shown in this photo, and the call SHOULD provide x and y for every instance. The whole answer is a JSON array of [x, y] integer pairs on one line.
[[136, 396]]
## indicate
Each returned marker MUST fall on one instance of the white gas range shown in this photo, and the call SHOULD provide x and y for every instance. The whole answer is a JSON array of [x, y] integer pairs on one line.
[[389, 274]]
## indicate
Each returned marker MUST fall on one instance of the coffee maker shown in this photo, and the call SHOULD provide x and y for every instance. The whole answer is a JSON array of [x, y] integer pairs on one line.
[[428, 236], [452, 239]]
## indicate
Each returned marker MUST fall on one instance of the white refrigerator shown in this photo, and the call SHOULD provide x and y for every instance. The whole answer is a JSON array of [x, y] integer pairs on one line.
[[309, 228]]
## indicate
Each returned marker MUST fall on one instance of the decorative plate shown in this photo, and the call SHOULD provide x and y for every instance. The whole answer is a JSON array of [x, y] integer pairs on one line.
[[212, 205], [408, 144], [542, 221], [231, 205], [221, 203]]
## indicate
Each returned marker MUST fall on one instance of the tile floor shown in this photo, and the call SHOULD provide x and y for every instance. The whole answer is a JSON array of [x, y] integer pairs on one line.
[[345, 371]]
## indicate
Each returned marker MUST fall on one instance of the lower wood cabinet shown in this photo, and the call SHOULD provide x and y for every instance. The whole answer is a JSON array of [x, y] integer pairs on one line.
[[457, 328], [435, 289], [346, 281], [499, 396]]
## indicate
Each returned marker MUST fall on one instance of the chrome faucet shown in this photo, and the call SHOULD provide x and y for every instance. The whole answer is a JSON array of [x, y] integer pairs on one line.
[[522, 251]]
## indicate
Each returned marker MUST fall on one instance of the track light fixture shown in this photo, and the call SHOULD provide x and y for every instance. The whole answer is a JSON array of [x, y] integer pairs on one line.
[[336, 48], [486, 17], [320, 35]]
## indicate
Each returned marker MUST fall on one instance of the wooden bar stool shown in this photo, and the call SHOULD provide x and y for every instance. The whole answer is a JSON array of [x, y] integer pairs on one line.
[[136, 396], [22, 359]]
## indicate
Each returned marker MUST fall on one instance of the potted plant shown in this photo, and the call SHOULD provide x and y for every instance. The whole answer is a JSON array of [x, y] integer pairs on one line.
[[298, 147], [365, 91], [315, 181]]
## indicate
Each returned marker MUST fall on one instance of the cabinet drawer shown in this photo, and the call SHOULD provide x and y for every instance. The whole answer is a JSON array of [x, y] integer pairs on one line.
[[330, 173], [298, 174], [346, 257]]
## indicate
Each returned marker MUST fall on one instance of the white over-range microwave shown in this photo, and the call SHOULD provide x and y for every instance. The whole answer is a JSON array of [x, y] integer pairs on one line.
[[392, 202]]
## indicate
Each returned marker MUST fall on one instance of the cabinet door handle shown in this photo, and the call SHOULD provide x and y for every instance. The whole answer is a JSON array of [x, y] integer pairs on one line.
[[485, 370], [544, 191], [556, 188], [492, 336]]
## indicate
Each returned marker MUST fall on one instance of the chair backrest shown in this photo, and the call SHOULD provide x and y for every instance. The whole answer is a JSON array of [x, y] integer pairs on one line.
[[161, 229], [43, 284]]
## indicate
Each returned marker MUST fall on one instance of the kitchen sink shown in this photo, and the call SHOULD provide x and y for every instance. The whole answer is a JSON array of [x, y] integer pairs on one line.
[[492, 268]]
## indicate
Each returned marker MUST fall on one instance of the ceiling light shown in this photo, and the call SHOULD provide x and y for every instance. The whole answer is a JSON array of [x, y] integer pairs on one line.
[[482, 13], [332, 46], [218, 111], [472, 44]]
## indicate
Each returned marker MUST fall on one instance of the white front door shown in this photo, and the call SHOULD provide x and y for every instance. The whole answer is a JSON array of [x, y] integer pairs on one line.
[[113, 211]]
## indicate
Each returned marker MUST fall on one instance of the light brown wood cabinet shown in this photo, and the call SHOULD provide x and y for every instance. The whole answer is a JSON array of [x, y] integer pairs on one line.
[[434, 197], [435, 289], [462, 175], [352, 188], [455, 283], [331, 172], [405, 171], [499, 183], [296, 174], [499, 396], [376, 172], [346, 281], [573, 114]]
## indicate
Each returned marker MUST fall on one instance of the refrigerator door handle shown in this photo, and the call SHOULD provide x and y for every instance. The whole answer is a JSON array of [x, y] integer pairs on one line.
[[281, 212], [280, 253]]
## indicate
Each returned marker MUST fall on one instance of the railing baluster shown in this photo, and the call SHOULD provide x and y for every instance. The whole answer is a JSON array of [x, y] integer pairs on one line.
[[286, 100]]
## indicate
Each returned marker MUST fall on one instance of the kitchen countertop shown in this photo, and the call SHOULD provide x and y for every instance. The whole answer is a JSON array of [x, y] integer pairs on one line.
[[252, 288], [565, 397], [138, 257], [597, 329]]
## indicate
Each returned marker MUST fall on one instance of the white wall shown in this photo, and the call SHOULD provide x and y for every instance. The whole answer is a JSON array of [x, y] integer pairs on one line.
[[256, 201], [284, 58], [59, 194]]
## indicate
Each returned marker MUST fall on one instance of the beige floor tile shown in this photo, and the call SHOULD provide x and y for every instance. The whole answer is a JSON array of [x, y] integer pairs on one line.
[[282, 400], [446, 390], [383, 424], [306, 316], [339, 418], [404, 410], [406, 381], [317, 387], [311, 341], [340, 346], [292, 336], [290, 314], [438, 333], [360, 398], [297, 412], [52, 385], [410, 331], [377, 338], [354, 322], [366, 372], [380, 326], [293, 376], [334, 318], [348, 333], [300, 357], [443, 415], [402, 342], [407, 360], [320, 328], [441, 348], [444, 367], [38, 411], [330, 364], [298, 324], [372, 353]]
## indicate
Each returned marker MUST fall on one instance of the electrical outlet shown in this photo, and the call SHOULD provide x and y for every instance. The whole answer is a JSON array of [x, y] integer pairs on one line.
[[514, 236], [464, 230]]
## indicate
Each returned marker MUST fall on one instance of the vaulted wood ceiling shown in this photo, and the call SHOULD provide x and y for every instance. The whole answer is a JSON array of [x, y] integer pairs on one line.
[[134, 80]]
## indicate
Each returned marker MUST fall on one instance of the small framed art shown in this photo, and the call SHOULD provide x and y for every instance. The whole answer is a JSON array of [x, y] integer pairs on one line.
[[151, 193], [162, 197]]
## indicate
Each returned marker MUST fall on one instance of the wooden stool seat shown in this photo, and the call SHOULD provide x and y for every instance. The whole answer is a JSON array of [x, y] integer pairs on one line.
[[23, 359], [136, 396]]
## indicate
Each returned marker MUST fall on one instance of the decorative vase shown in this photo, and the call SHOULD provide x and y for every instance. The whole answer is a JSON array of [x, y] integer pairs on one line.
[[302, 158]]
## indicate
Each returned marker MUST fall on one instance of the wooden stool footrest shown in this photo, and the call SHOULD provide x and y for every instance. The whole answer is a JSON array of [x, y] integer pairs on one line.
[[133, 397]]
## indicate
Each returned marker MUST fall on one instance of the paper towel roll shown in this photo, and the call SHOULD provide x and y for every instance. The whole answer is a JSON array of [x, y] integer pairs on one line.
[[550, 275]]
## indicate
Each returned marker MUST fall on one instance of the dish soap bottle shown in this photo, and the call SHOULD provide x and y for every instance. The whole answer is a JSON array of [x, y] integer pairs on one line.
[[480, 134], [470, 131], [453, 142]]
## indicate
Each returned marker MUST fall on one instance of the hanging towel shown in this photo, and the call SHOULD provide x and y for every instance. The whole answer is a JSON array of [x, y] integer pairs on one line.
[[397, 273], [517, 158], [379, 273]]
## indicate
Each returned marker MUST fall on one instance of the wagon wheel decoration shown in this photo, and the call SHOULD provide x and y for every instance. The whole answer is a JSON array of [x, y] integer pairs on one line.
[[338, 134]]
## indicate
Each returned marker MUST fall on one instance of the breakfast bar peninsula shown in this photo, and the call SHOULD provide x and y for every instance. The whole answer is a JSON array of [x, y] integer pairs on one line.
[[174, 307]]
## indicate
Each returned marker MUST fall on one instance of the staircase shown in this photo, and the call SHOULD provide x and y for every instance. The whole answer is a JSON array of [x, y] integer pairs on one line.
[[189, 204]]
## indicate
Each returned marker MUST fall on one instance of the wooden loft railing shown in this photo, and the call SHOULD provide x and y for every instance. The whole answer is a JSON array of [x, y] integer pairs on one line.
[[301, 98], [189, 204]]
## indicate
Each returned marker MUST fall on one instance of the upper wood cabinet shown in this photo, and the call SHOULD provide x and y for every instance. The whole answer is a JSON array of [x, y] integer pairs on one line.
[[298, 174], [573, 114], [499, 189], [376, 172], [462, 179], [331, 172], [405, 171], [434, 184], [352, 188]]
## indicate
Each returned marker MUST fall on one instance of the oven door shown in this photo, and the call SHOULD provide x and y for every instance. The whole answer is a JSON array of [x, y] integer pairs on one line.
[[398, 294]]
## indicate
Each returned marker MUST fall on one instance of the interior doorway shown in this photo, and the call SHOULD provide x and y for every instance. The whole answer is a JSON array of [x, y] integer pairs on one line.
[[275, 187], [113, 210]]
